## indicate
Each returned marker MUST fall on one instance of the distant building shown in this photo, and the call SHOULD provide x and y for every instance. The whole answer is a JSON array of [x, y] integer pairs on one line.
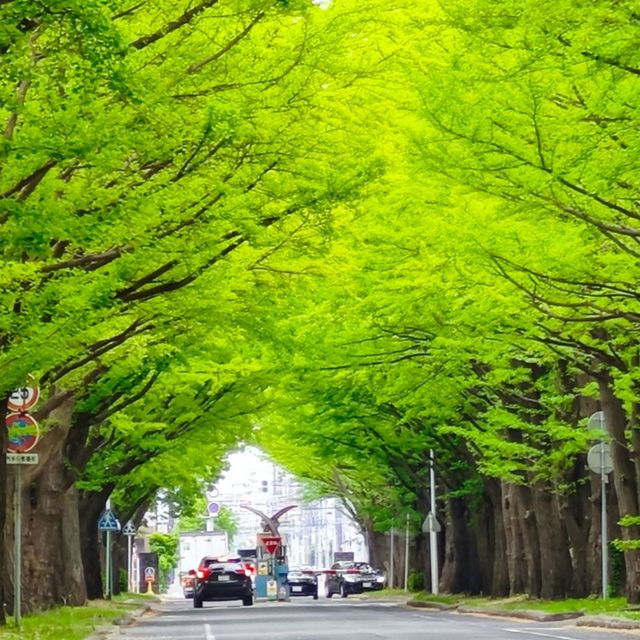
[[314, 531]]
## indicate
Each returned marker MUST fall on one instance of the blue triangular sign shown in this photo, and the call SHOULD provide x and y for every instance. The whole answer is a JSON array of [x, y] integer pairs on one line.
[[108, 522]]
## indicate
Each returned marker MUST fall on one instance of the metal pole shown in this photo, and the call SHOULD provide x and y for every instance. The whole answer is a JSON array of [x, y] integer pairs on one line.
[[433, 536], [129, 567], [391, 549], [17, 514], [406, 555], [107, 572], [603, 525], [108, 567]]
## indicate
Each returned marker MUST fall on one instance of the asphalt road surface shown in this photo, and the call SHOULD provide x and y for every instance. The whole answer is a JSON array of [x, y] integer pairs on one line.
[[304, 619]]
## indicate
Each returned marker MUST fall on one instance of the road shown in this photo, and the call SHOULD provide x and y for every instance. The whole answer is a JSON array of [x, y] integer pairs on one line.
[[341, 620]]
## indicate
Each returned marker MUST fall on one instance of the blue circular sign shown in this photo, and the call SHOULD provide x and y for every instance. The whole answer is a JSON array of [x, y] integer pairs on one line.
[[213, 508]]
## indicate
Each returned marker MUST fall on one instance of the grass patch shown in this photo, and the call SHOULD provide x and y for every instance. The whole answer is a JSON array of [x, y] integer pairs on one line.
[[72, 623], [587, 606]]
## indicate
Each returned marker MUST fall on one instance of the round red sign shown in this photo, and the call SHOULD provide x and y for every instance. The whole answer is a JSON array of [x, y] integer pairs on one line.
[[23, 433], [23, 398]]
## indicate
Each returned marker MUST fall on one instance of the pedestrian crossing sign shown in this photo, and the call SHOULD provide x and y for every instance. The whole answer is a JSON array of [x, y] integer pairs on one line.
[[108, 522]]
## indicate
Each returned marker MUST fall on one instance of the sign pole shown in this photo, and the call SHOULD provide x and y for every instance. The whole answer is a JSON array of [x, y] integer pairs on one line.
[[108, 558], [433, 535], [603, 524], [129, 567], [17, 511], [391, 550], [406, 555]]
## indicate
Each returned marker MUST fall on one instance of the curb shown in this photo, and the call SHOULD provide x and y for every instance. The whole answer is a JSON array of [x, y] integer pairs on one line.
[[602, 622], [439, 606], [609, 622], [536, 616], [106, 632]]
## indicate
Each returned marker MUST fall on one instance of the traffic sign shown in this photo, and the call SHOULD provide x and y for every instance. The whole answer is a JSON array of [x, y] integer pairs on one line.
[[23, 398], [108, 522], [129, 529], [22, 458], [431, 524], [271, 543], [599, 458], [149, 574], [597, 422], [213, 508], [23, 432]]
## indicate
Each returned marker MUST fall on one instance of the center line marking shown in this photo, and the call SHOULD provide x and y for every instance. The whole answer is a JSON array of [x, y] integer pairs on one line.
[[208, 633]]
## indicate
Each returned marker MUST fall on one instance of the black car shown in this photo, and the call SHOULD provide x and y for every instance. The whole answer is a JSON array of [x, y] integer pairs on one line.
[[222, 579], [346, 578], [302, 582]]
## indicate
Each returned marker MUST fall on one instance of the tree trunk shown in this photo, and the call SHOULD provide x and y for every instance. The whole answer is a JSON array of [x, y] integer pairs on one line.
[[52, 565], [498, 574], [555, 561], [3, 508], [460, 572], [625, 483], [516, 560], [91, 506]]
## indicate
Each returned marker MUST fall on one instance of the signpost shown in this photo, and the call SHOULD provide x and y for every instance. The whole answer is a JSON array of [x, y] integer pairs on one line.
[[432, 527], [600, 461], [108, 523], [149, 578], [129, 530], [23, 434]]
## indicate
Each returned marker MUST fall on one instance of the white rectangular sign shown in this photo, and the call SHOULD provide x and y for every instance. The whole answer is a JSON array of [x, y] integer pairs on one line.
[[22, 458]]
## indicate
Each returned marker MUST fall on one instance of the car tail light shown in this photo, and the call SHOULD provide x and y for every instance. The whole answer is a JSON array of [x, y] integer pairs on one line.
[[203, 574], [242, 572]]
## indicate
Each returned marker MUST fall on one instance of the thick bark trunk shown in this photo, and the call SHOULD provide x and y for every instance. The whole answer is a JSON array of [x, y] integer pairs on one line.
[[576, 511], [52, 565], [516, 560], [3, 507], [498, 576], [555, 561], [625, 482], [460, 573], [91, 506]]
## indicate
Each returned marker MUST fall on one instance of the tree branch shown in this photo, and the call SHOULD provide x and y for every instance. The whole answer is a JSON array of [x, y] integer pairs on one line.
[[184, 19]]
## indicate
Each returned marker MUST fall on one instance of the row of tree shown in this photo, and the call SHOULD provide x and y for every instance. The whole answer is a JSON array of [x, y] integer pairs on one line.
[[352, 233], [155, 159], [483, 303]]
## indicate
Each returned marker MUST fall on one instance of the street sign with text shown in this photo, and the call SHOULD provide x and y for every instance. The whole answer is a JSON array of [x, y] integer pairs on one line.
[[22, 458]]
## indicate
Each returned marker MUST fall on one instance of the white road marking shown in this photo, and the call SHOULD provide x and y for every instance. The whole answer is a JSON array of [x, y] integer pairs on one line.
[[540, 634], [208, 633]]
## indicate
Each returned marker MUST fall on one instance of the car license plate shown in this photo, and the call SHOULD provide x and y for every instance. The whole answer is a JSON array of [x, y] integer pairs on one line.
[[366, 585], [223, 578], [296, 589]]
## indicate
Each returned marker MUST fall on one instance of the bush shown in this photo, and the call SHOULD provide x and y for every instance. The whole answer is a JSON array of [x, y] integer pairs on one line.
[[416, 580], [123, 580]]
